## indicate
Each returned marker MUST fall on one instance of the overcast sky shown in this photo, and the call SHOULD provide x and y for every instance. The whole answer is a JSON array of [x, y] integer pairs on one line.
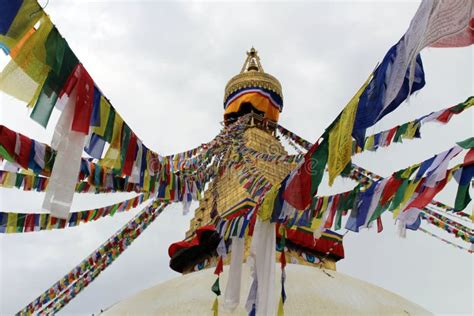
[[164, 67]]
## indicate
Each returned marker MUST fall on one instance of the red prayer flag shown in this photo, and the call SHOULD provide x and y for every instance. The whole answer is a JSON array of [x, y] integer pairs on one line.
[[84, 102], [71, 81], [23, 157], [469, 158], [390, 135], [379, 224], [298, 190], [219, 267], [29, 223], [7, 139], [427, 195], [445, 116], [390, 188], [130, 156], [135, 202]]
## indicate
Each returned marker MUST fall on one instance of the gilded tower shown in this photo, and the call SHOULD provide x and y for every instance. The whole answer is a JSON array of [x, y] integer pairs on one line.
[[258, 95]]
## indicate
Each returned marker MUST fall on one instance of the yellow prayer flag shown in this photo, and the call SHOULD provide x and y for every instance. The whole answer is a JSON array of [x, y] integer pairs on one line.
[[369, 143], [215, 307], [26, 73], [11, 222], [281, 310], [469, 102], [408, 194], [104, 116], [8, 180], [405, 174], [340, 136], [324, 206], [265, 211], [411, 130], [112, 157]]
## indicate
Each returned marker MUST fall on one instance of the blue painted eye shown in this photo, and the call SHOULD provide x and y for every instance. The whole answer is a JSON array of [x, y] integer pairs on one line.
[[310, 258], [278, 247], [201, 265]]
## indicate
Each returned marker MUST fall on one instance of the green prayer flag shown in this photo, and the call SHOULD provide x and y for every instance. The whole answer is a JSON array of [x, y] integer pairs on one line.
[[377, 213], [400, 132], [19, 180], [62, 61], [462, 198], [338, 223], [320, 158], [215, 287], [399, 195], [462, 106], [44, 104], [467, 143], [20, 222], [109, 129], [126, 135], [4, 153], [114, 209]]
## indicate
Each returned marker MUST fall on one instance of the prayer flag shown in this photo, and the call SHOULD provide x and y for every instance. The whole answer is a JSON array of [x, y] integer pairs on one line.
[[304, 185], [462, 196], [340, 138]]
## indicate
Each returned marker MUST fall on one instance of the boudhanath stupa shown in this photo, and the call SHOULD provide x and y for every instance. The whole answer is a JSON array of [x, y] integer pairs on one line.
[[312, 279]]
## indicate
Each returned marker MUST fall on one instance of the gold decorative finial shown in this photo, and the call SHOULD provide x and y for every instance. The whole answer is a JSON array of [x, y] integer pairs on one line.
[[252, 63], [252, 75]]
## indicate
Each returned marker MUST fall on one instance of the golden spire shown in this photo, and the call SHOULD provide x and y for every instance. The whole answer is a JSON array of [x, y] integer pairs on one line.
[[252, 63], [252, 75]]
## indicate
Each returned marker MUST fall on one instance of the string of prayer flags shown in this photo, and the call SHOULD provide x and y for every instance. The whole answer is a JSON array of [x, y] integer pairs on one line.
[[399, 75], [270, 157], [33, 182], [445, 240], [429, 213], [364, 176], [40, 159], [433, 21], [406, 201], [441, 221], [358, 174], [375, 103], [54, 298], [411, 129], [292, 136], [11, 222], [49, 70]]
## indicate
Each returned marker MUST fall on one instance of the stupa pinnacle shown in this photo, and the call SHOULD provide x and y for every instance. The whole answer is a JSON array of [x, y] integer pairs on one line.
[[253, 90]]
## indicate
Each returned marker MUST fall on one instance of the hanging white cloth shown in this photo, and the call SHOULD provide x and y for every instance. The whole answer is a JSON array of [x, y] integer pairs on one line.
[[263, 254], [232, 290], [69, 145], [437, 171]]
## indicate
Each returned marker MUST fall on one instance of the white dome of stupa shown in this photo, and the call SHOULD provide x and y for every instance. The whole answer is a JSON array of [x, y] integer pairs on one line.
[[310, 291]]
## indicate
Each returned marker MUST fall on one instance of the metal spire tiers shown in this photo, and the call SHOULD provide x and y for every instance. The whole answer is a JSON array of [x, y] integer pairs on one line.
[[253, 90]]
